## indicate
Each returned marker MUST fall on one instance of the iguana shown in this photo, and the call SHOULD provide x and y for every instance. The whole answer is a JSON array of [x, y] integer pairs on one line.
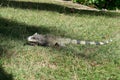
[[51, 40]]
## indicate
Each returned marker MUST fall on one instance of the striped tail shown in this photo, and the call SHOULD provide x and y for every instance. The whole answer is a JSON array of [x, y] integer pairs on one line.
[[90, 42]]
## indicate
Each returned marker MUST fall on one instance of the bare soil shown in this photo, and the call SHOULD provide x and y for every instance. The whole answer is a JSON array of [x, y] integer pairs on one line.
[[80, 6], [76, 5]]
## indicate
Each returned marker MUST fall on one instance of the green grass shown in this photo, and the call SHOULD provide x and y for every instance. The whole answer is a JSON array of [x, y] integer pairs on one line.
[[18, 20]]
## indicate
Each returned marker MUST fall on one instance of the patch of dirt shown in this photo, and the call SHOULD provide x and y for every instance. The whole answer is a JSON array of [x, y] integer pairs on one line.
[[70, 4], [76, 5]]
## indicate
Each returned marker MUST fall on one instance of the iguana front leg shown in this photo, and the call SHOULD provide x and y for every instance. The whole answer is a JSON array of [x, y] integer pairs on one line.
[[59, 45]]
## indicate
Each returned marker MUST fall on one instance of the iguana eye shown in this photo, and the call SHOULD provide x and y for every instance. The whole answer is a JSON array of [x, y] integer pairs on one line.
[[33, 37]]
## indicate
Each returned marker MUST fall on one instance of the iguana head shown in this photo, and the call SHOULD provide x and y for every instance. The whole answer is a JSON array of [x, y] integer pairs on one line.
[[37, 38]]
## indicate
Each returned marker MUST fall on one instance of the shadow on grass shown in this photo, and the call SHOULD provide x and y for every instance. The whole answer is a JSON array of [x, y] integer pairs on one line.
[[20, 31], [4, 75], [2, 50], [54, 7]]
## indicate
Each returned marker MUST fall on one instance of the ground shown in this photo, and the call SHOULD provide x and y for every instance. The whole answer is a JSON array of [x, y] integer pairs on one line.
[[80, 6], [76, 5], [22, 18]]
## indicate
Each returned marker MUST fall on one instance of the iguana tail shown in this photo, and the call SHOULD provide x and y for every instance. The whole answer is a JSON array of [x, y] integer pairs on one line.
[[90, 42]]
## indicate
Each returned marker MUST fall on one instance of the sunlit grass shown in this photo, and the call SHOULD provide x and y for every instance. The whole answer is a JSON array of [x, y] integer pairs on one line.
[[82, 62]]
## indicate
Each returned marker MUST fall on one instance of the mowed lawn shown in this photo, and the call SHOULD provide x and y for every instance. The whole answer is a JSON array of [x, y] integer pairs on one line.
[[22, 18]]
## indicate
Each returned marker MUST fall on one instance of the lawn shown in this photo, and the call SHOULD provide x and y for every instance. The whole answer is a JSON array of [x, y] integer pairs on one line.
[[22, 18]]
